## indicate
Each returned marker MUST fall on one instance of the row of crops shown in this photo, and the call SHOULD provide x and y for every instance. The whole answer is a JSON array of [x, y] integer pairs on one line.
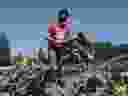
[[109, 44], [106, 44]]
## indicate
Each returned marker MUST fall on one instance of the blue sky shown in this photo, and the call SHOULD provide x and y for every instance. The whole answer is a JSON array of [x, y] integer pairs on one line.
[[64, 4], [23, 25]]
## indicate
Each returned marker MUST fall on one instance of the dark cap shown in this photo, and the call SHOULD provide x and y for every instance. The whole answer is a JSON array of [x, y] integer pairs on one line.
[[63, 14]]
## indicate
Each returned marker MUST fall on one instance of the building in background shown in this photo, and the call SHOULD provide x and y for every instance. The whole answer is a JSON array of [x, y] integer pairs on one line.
[[4, 49], [4, 42]]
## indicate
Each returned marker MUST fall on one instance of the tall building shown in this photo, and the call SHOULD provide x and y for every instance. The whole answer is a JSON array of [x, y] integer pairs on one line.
[[4, 42], [4, 49]]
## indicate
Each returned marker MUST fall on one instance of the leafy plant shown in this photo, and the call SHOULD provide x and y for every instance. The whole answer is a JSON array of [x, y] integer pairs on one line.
[[119, 87]]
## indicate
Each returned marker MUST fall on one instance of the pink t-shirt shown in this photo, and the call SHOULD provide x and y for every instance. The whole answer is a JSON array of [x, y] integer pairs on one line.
[[57, 34]]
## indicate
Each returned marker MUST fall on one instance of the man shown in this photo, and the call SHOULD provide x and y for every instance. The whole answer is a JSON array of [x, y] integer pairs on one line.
[[57, 31]]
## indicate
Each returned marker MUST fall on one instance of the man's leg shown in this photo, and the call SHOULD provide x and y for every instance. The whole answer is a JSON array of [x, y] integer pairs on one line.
[[59, 53], [52, 57]]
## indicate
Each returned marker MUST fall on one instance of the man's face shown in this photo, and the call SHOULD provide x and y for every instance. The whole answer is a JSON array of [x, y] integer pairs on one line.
[[68, 22]]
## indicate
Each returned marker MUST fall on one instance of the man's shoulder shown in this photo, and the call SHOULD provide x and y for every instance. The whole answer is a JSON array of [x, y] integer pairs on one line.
[[55, 28], [51, 28]]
